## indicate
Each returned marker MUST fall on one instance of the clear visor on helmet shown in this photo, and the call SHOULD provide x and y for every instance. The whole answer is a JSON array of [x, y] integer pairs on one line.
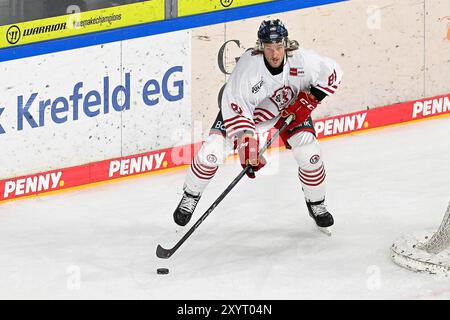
[[282, 41]]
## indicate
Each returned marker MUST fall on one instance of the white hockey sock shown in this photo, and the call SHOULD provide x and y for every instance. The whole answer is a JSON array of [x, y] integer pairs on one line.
[[311, 171], [198, 176], [206, 162], [313, 183]]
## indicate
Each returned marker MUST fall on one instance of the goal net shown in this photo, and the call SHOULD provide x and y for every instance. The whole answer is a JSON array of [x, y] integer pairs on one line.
[[425, 251]]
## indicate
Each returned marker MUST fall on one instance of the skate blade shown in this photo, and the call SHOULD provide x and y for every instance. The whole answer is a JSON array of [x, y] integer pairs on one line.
[[326, 230]]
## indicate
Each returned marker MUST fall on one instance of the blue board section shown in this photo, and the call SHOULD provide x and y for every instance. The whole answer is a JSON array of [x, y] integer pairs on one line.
[[152, 28]]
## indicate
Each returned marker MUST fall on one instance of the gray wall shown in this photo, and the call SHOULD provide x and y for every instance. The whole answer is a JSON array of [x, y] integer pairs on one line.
[[390, 52], [14, 11]]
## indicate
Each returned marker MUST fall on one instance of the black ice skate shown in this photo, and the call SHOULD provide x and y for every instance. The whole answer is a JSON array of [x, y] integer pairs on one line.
[[318, 211], [185, 209]]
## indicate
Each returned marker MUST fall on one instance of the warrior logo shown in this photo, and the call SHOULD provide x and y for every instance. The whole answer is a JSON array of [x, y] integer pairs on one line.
[[314, 159], [282, 97], [13, 34], [226, 3]]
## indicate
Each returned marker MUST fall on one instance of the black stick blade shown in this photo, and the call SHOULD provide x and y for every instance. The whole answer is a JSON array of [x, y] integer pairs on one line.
[[163, 253]]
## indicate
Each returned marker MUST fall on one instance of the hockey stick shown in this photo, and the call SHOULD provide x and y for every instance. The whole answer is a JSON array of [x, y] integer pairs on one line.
[[167, 253]]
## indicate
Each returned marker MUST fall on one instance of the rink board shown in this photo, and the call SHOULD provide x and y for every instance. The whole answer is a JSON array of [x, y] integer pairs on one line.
[[162, 160], [81, 23], [190, 7], [115, 104], [154, 109]]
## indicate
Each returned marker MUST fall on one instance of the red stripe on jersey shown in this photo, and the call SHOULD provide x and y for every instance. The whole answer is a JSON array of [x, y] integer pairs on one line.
[[326, 89], [240, 124], [237, 121], [264, 111], [232, 131], [231, 119], [258, 114], [243, 125], [235, 118], [235, 130], [258, 120]]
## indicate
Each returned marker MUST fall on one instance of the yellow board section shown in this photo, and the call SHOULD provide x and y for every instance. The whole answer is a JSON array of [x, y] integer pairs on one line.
[[190, 7], [81, 23]]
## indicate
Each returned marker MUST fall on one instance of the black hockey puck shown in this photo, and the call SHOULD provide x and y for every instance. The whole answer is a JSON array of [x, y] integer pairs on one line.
[[162, 271]]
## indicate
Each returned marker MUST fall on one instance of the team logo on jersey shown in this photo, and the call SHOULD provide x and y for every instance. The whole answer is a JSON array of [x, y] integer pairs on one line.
[[314, 159], [296, 72], [282, 97], [257, 87], [211, 158]]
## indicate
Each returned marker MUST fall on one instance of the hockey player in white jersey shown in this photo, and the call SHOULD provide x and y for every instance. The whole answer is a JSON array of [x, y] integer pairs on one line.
[[274, 80]]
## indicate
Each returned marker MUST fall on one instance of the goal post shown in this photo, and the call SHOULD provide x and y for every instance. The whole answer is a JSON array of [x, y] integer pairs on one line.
[[425, 251]]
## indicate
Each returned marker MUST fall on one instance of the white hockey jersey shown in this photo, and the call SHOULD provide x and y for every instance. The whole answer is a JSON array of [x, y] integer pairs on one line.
[[253, 98]]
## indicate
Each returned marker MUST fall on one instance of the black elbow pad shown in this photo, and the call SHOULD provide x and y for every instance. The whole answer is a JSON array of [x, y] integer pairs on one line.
[[318, 94]]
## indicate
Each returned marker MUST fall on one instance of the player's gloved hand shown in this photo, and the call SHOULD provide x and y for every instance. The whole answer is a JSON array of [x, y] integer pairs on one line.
[[301, 108], [248, 151]]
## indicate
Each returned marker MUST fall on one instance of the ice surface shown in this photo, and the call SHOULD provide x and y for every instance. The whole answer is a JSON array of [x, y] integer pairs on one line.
[[259, 243]]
